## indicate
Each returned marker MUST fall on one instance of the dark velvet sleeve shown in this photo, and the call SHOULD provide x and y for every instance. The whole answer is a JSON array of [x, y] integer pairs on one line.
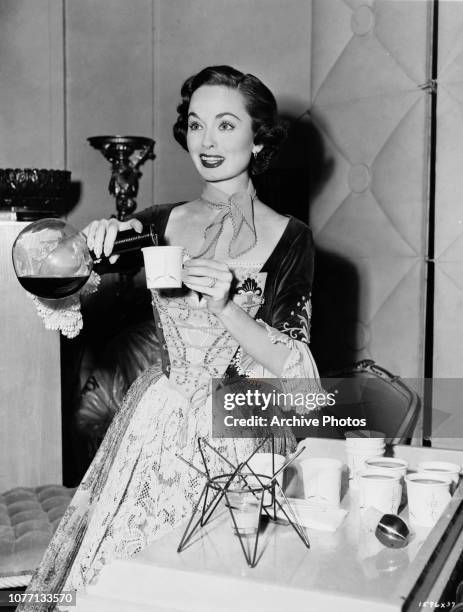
[[291, 306]]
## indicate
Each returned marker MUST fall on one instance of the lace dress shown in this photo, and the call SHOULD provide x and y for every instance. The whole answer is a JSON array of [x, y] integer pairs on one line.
[[137, 489]]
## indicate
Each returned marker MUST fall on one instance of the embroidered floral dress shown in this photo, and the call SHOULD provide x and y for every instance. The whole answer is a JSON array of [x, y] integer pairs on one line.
[[137, 489]]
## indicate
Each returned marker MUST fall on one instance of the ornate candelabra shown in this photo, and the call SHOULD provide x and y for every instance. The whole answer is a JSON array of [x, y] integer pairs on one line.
[[126, 155]]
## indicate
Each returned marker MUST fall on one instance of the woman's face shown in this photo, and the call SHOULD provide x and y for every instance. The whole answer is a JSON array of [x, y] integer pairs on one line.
[[220, 139]]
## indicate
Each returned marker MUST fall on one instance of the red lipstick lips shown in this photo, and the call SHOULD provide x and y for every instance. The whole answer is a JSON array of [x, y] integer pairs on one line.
[[211, 161]]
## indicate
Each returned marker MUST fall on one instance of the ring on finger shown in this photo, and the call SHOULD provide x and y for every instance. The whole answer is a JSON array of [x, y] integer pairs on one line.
[[213, 282]]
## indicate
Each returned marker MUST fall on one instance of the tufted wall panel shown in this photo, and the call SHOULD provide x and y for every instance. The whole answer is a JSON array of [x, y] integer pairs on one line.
[[448, 338], [369, 60], [448, 296]]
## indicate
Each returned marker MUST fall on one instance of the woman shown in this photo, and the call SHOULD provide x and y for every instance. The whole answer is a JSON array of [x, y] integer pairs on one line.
[[245, 309]]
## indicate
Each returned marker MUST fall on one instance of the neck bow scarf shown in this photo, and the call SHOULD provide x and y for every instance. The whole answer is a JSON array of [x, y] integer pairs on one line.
[[239, 208]]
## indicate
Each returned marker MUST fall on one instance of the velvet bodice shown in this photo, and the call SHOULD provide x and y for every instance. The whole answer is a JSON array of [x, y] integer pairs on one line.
[[285, 303]]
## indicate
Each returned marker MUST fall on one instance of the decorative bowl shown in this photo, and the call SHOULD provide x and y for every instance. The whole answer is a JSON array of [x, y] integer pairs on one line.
[[33, 192], [33, 182]]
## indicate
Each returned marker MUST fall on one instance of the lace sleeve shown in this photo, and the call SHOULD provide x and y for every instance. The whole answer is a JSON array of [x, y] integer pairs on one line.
[[64, 314], [300, 363]]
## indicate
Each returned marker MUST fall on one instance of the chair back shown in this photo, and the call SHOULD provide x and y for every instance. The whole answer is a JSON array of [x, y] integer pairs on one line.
[[366, 390]]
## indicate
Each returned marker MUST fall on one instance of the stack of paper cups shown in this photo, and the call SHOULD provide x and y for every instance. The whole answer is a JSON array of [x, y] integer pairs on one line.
[[362, 445]]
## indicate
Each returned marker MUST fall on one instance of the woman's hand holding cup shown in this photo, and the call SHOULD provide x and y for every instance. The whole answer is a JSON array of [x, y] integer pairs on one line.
[[211, 278], [102, 233]]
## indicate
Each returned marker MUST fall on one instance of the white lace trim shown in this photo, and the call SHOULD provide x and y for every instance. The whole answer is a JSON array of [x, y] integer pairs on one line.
[[299, 363], [276, 336], [303, 312], [234, 263], [64, 314], [244, 364], [243, 264], [293, 364]]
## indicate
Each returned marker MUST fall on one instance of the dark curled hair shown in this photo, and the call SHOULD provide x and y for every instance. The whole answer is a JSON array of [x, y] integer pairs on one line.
[[259, 103]]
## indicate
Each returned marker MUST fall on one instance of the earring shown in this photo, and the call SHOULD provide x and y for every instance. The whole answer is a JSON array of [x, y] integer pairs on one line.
[[255, 154]]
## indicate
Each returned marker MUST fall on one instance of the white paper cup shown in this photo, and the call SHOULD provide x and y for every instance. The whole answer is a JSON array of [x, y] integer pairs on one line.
[[381, 490], [428, 494], [163, 266], [356, 462], [261, 463], [322, 480], [364, 439], [364, 442], [441, 467], [390, 464], [362, 445]]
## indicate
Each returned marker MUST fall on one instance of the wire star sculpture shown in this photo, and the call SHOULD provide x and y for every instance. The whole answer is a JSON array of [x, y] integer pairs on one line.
[[245, 493]]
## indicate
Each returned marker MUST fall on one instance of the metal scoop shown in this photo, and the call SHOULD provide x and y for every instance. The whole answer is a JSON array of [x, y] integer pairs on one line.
[[392, 531]]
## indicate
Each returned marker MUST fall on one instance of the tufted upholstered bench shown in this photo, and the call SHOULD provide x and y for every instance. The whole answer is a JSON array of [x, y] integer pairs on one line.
[[28, 518]]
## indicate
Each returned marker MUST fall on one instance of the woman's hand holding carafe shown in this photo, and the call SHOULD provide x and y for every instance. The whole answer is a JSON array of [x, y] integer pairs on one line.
[[102, 233]]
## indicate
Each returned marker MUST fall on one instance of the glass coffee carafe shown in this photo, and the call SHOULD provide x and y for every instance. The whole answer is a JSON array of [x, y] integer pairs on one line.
[[51, 259]]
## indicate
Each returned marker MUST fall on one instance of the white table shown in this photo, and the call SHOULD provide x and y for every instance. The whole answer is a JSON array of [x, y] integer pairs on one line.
[[346, 570]]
